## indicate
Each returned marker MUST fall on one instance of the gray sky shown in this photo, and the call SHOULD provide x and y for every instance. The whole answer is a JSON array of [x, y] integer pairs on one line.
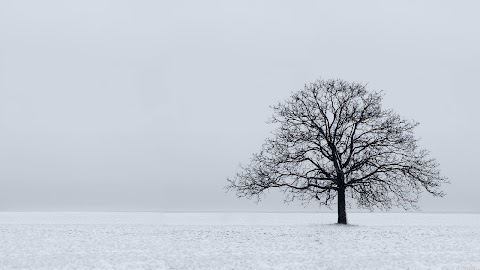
[[149, 105]]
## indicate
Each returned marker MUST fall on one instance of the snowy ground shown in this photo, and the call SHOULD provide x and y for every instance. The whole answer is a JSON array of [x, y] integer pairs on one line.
[[238, 241]]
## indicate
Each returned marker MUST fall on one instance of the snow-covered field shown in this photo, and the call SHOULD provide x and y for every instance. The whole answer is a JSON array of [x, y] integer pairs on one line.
[[238, 241]]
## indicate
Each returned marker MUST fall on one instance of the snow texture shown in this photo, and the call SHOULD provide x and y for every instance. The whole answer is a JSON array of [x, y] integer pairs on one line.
[[238, 241]]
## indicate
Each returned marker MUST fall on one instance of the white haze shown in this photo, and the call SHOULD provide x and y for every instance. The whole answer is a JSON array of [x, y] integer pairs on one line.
[[149, 105]]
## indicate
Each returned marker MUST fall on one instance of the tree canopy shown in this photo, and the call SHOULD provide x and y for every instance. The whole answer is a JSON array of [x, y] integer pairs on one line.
[[333, 141]]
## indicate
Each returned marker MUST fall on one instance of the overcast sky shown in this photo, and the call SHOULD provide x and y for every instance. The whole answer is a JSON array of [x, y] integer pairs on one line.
[[151, 105]]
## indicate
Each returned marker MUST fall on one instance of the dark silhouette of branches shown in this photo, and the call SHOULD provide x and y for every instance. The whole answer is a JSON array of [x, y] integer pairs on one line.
[[334, 140]]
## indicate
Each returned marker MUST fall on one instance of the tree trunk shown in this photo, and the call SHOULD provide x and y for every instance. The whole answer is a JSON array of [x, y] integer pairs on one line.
[[342, 213]]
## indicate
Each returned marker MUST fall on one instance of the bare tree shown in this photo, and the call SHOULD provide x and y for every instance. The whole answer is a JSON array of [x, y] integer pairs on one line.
[[335, 141]]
